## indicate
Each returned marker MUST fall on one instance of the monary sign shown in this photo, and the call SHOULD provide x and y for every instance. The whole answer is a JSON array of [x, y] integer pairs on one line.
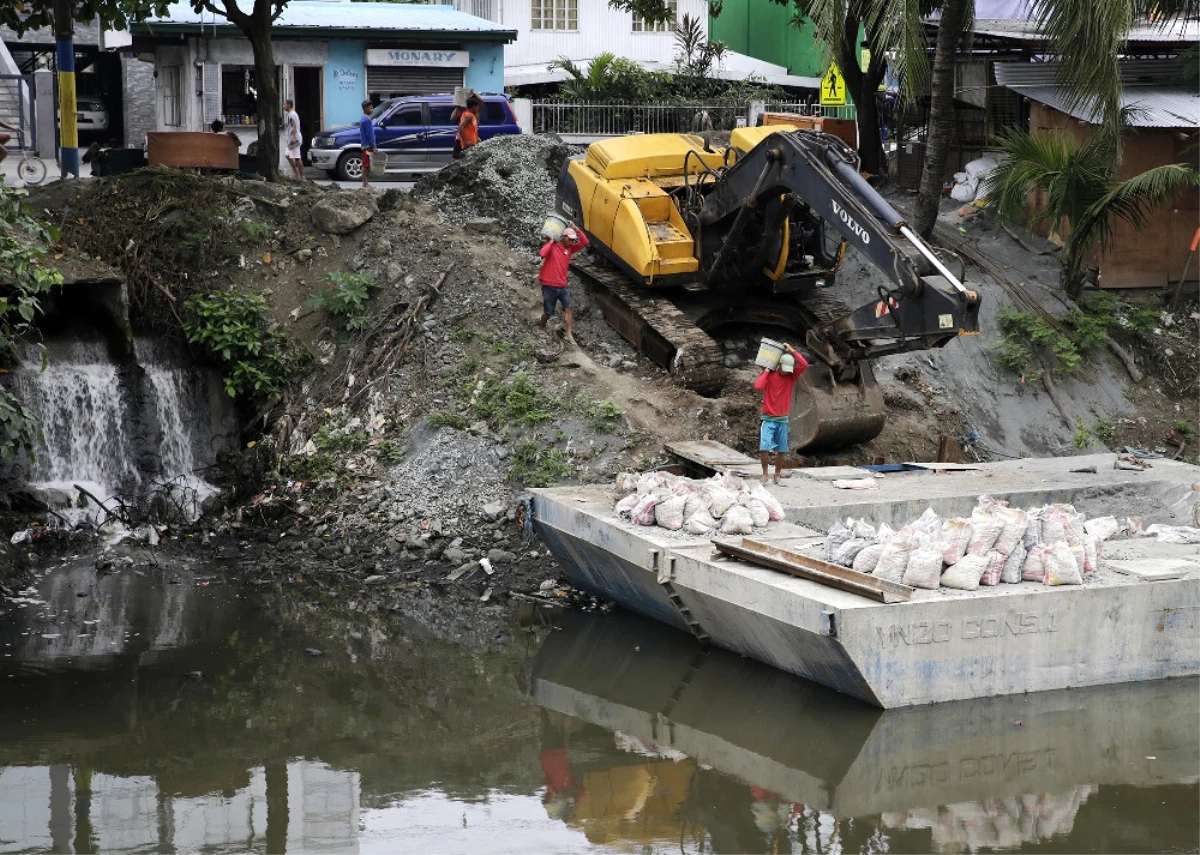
[[419, 57]]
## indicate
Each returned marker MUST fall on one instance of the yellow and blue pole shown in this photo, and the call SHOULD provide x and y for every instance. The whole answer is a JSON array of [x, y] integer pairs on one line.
[[64, 43]]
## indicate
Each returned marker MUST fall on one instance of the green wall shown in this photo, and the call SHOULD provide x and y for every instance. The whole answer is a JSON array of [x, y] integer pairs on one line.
[[761, 29]]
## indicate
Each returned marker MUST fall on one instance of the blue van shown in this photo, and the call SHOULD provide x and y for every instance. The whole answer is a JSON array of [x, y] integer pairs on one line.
[[416, 132]]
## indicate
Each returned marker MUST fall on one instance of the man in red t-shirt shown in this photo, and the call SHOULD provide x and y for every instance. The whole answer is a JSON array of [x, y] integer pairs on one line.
[[556, 259], [776, 386]]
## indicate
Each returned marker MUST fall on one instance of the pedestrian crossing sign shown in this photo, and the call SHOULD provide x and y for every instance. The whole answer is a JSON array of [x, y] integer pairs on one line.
[[833, 87]]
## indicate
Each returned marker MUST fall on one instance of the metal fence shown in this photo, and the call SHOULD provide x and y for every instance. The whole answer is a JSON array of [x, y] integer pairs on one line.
[[16, 100], [601, 120], [617, 119]]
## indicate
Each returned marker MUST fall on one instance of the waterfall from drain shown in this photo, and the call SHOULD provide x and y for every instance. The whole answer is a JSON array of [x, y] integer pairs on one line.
[[103, 424]]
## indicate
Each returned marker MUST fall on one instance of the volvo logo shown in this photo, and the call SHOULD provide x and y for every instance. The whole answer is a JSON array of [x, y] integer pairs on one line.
[[844, 216]]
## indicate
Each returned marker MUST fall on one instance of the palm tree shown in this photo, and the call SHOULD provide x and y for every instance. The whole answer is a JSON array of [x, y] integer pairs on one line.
[[595, 83], [1082, 198]]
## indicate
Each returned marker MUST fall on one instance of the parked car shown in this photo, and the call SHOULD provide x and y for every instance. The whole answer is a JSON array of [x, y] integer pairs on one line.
[[91, 114], [415, 131]]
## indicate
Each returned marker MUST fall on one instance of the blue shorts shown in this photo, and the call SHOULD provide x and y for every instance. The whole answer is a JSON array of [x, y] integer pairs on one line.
[[774, 437], [550, 296]]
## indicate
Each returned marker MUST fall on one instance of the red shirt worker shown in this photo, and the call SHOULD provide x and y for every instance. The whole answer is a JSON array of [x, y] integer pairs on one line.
[[776, 385]]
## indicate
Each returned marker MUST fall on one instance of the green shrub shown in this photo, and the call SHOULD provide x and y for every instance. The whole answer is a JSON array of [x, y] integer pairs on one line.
[[234, 329], [346, 303], [513, 401], [603, 414], [535, 465], [24, 243], [443, 418]]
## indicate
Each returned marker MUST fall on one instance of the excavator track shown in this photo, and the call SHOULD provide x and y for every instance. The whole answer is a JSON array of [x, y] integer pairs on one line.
[[658, 329]]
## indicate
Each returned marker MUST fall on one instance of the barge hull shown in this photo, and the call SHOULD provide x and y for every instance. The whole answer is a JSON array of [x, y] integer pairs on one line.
[[938, 646]]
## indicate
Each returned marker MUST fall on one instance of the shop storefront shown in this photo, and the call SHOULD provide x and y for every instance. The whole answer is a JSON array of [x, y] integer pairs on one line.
[[330, 57]]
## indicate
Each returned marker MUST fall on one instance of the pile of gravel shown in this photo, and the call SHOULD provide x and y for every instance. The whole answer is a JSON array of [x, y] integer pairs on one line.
[[510, 179]]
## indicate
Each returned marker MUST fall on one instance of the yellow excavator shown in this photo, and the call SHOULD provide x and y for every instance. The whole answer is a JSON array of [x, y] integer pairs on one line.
[[693, 237]]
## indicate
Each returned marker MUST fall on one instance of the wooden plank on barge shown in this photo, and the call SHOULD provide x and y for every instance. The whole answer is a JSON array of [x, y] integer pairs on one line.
[[710, 453], [815, 570]]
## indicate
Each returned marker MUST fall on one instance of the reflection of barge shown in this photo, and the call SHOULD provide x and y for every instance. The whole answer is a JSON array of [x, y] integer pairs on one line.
[[818, 749], [940, 645]]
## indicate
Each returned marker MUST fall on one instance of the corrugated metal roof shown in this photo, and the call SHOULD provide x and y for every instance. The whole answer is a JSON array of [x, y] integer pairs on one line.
[[1175, 32], [1150, 106], [1133, 72], [323, 15]]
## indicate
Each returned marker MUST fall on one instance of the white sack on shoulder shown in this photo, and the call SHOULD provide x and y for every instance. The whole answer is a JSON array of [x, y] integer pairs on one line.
[[856, 484], [1174, 533]]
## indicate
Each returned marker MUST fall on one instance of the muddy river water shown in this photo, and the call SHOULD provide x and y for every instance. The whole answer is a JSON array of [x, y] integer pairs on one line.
[[175, 712]]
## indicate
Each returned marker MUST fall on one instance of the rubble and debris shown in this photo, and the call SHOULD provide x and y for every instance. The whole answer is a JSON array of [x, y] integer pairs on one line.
[[509, 180], [342, 213]]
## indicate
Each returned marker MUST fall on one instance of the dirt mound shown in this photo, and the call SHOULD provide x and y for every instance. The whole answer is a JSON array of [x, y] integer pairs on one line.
[[509, 178], [174, 233]]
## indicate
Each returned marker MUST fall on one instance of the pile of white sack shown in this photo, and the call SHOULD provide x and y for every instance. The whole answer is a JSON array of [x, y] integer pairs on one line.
[[1052, 545], [722, 503], [968, 183]]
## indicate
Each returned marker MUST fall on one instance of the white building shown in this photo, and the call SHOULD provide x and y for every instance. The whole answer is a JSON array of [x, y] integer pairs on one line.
[[581, 29]]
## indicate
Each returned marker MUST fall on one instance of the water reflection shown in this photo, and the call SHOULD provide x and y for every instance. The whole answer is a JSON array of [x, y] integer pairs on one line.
[[665, 742], [170, 712]]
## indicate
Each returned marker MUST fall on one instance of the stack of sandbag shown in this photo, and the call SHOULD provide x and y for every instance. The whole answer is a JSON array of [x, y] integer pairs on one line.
[[723, 503], [996, 544]]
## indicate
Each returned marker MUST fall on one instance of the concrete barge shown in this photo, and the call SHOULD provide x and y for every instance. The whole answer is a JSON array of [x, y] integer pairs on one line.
[[1136, 618]]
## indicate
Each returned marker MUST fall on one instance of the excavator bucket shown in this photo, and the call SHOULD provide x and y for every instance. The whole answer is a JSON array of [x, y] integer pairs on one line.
[[827, 414]]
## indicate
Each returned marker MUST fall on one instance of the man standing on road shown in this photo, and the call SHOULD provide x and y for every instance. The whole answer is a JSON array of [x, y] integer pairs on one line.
[[556, 259], [366, 140], [292, 120], [776, 385]]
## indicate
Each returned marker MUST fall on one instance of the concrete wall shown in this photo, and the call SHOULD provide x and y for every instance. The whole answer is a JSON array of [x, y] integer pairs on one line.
[[344, 76], [764, 31], [138, 97], [600, 29], [486, 71], [345, 82]]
